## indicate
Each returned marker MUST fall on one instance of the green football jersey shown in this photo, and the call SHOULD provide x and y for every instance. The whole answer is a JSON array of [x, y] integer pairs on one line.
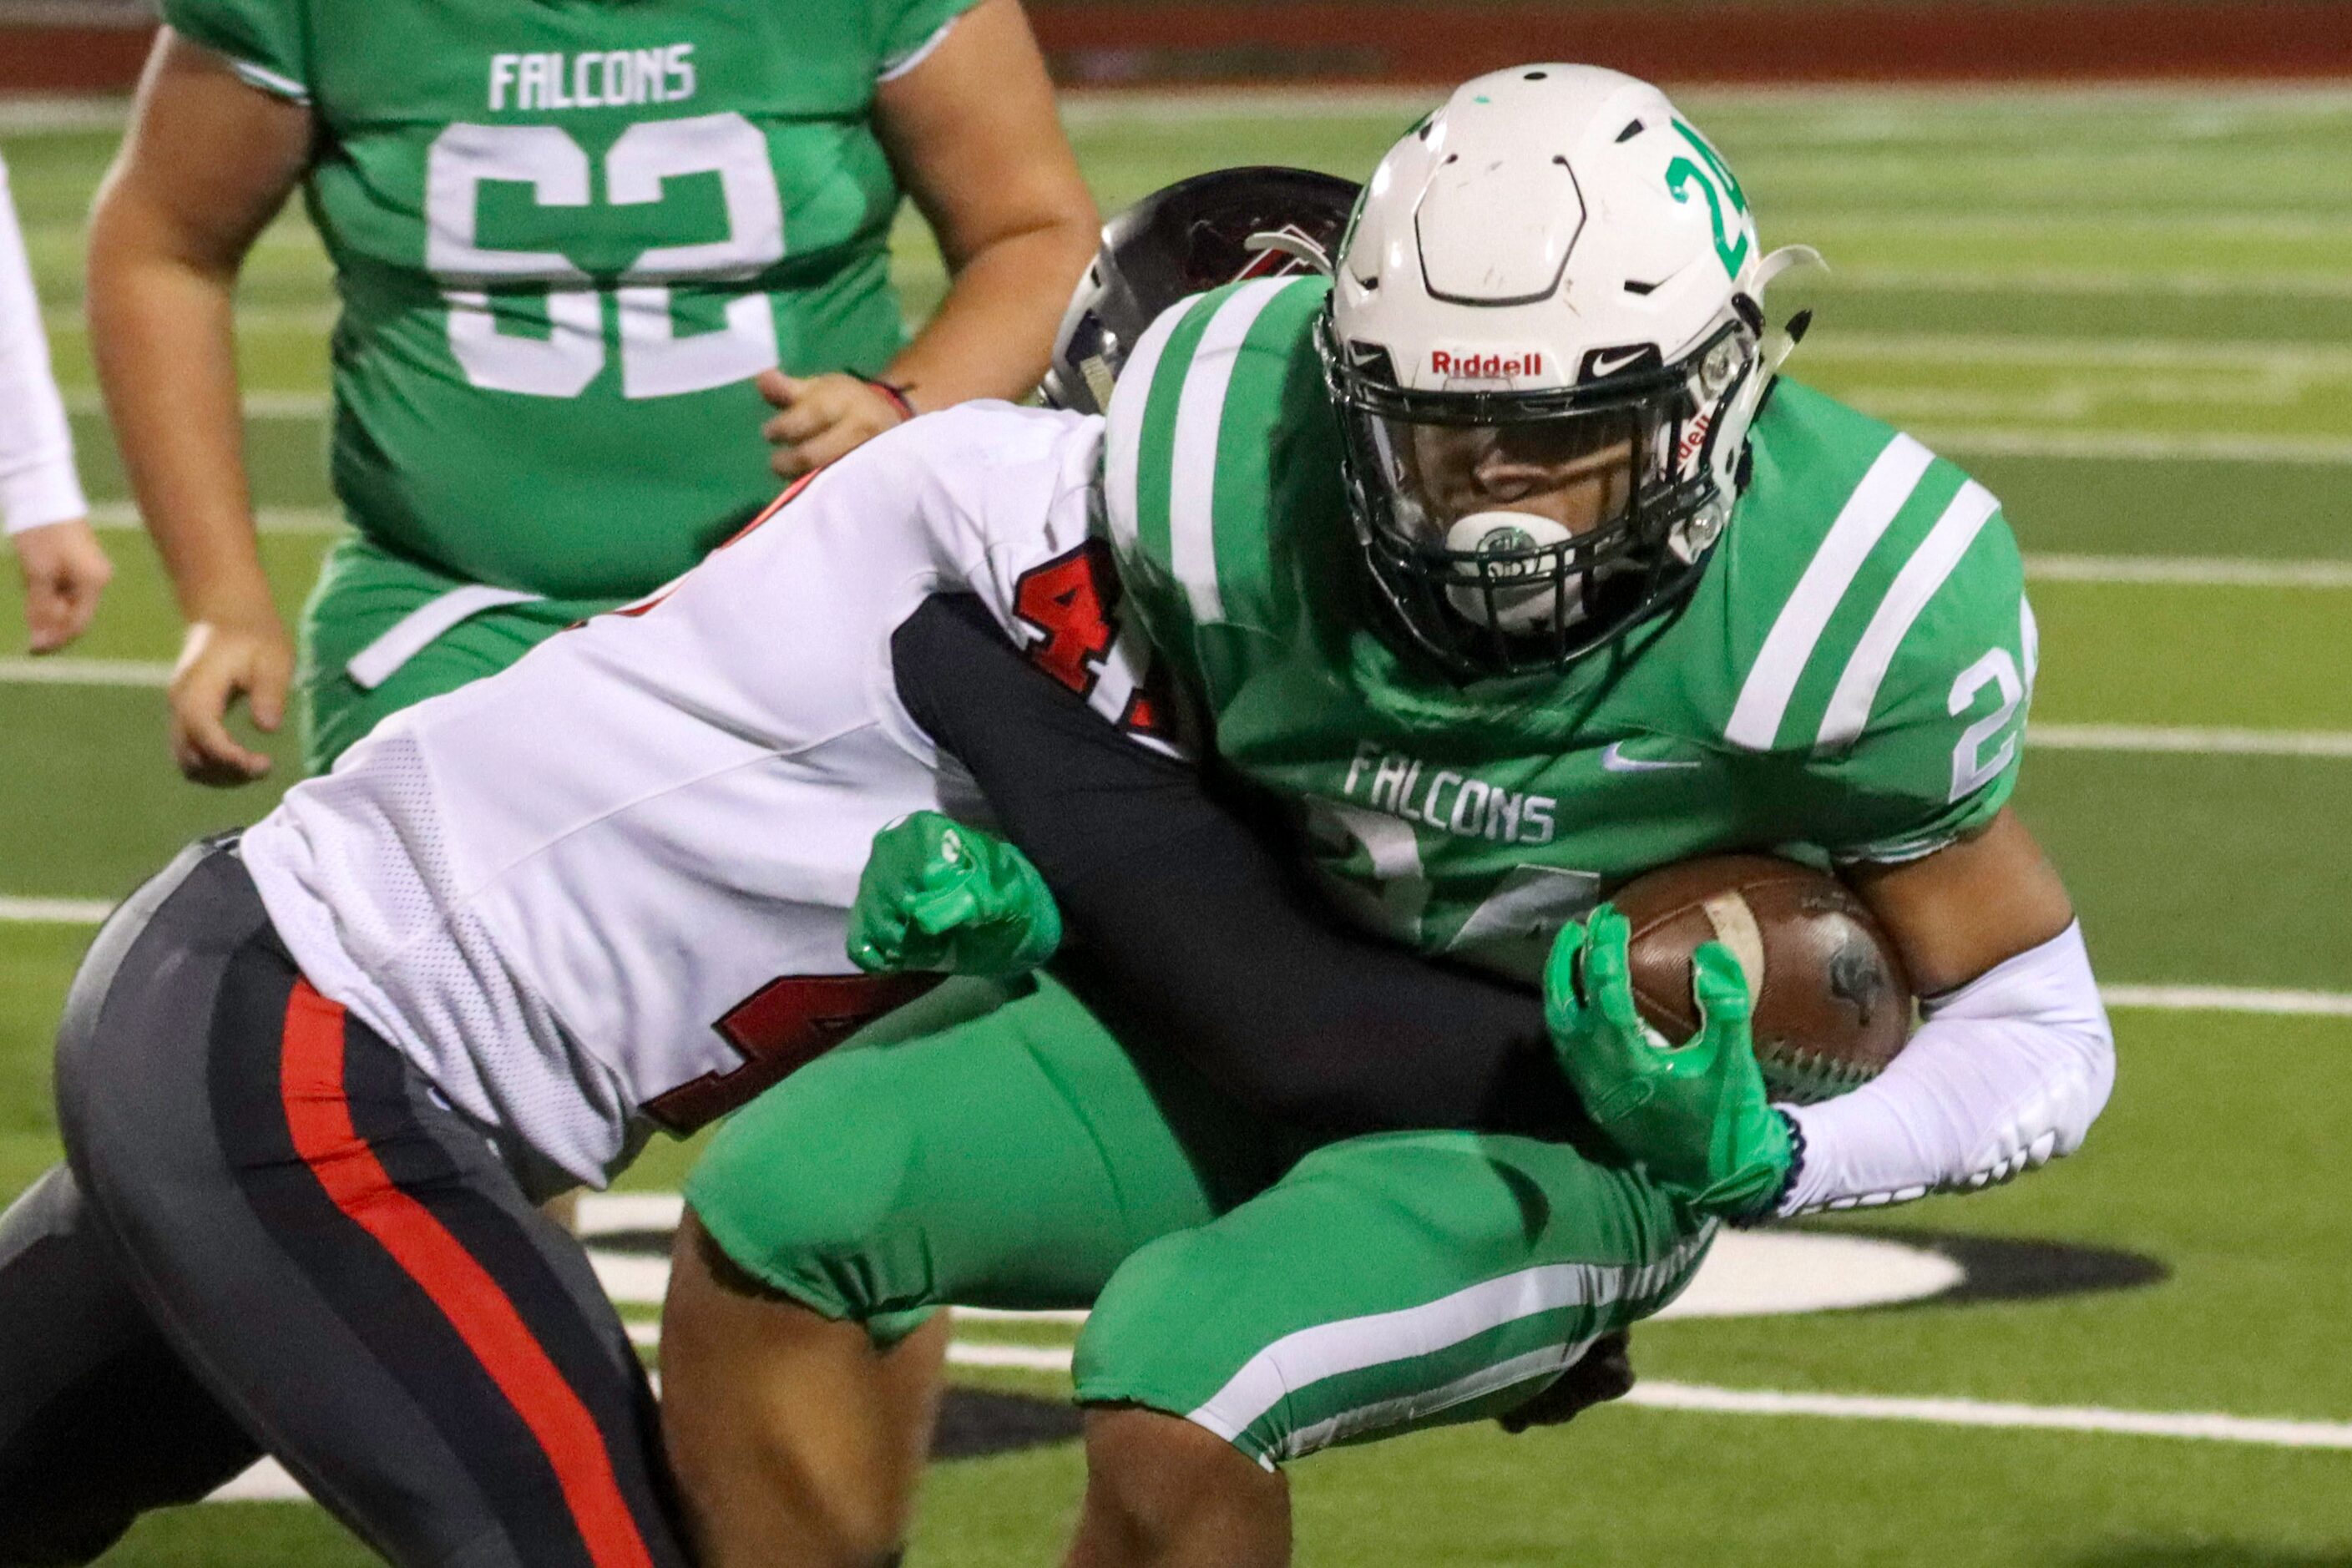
[[1848, 680], [566, 235]]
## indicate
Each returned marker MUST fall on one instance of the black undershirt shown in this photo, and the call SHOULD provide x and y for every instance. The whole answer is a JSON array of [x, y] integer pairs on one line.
[[1190, 926]]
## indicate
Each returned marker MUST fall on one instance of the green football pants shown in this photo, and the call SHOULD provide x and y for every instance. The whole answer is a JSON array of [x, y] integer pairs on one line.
[[1284, 1295], [365, 598]]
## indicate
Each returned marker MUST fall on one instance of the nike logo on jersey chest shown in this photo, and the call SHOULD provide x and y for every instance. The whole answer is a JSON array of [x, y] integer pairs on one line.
[[1614, 759]]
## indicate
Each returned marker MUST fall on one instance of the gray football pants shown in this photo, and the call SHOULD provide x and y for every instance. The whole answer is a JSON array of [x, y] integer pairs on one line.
[[274, 1239]]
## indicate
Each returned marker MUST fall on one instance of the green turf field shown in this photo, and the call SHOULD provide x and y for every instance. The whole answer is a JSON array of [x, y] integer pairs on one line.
[[2131, 314]]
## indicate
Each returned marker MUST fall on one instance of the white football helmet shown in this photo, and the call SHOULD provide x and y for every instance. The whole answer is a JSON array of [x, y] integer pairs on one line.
[[1546, 340]]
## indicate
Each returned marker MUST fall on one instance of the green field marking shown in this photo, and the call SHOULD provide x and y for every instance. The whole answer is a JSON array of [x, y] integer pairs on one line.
[[94, 802], [2200, 870], [253, 1535], [286, 460], [2175, 654], [2117, 505]]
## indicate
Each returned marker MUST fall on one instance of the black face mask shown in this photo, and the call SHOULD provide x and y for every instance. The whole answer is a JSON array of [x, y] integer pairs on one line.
[[1511, 606]]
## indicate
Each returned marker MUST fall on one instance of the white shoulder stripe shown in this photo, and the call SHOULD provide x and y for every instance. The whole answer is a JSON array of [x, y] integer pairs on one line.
[[892, 70], [270, 81], [1124, 439], [1861, 522], [1937, 554], [1192, 478]]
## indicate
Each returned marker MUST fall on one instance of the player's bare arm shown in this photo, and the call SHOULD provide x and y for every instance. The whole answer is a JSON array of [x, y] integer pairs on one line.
[[206, 162], [972, 132], [1969, 906], [2014, 1058]]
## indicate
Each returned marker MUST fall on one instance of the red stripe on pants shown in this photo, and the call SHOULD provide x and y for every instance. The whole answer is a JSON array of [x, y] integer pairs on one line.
[[311, 1083]]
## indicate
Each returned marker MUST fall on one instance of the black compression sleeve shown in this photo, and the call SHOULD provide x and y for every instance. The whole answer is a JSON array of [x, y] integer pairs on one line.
[[1191, 929]]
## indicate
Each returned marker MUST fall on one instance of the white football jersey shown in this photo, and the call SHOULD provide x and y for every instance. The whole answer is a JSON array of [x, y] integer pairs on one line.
[[620, 871]]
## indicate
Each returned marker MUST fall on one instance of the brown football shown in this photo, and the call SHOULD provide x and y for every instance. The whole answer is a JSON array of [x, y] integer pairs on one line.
[[1832, 1006]]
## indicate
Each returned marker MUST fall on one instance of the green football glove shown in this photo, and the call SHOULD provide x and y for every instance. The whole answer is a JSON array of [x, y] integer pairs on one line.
[[938, 895], [1696, 1115]]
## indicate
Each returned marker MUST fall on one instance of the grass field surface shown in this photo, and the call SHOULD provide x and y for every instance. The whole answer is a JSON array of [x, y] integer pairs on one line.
[[2130, 313]]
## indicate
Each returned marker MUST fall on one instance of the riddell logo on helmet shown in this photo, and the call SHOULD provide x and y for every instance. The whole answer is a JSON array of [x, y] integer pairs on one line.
[[1484, 366], [1694, 437]]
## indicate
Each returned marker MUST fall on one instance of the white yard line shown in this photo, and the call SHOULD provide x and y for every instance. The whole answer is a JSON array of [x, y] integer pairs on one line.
[[2191, 741], [2180, 740], [48, 114], [2187, 571], [2005, 104], [2239, 226], [268, 1482], [2001, 279], [271, 519], [2208, 1427], [53, 672], [2199, 571], [2002, 348], [86, 402], [1998, 441], [2076, 353], [54, 911], [65, 318], [2230, 999], [2158, 445], [2155, 998]]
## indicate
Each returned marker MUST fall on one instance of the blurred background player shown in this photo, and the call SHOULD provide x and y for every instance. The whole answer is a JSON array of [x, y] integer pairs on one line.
[[580, 254], [65, 569]]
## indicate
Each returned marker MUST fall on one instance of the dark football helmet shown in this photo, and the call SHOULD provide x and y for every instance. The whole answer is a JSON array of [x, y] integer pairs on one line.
[[1192, 236]]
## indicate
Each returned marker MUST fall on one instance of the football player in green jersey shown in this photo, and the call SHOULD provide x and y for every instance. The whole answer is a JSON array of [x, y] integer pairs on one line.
[[1508, 566], [579, 250]]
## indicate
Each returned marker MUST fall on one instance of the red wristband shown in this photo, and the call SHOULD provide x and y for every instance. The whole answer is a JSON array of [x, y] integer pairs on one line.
[[894, 393]]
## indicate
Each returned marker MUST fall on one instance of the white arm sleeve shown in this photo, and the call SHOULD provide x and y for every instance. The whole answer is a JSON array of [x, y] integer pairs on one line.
[[38, 485], [2007, 1073]]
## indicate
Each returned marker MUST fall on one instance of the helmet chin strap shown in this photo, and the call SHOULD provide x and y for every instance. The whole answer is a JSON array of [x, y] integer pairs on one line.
[[1772, 351], [1775, 343], [1290, 243], [1780, 342]]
